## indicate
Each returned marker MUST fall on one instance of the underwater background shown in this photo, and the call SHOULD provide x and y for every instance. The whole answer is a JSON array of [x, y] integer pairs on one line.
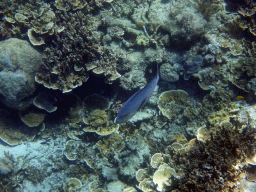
[[68, 66]]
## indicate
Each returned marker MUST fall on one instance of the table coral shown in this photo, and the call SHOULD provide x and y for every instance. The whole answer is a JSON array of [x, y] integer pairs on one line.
[[141, 174], [176, 104], [110, 147], [162, 177], [172, 100], [156, 160], [32, 117], [36, 15], [13, 132], [44, 101], [73, 184], [73, 5], [34, 39], [96, 118]]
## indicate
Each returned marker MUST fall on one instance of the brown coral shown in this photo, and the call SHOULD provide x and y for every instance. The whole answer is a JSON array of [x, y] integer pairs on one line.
[[75, 51], [13, 132], [219, 159], [35, 15], [216, 161]]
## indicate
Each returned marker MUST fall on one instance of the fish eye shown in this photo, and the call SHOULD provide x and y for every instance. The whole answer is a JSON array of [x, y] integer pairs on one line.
[[125, 115]]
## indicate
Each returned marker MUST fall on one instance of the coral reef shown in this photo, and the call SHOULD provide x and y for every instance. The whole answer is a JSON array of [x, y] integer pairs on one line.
[[96, 118], [30, 17], [12, 131], [19, 63], [6, 165], [221, 157], [42, 101], [176, 105], [169, 73], [81, 44], [32, 117], [196, 133]]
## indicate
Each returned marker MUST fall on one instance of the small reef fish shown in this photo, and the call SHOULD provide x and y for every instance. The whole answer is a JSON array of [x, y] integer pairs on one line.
[[240, 97], [137, 101]]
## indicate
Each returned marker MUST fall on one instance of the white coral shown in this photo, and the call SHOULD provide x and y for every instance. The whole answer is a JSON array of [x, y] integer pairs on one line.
[[6, 166]]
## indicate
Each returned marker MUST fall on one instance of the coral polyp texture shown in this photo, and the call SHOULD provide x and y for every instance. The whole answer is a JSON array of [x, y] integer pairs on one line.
[[68, 66]]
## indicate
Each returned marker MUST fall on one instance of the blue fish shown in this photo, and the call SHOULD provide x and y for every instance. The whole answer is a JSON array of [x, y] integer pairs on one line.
[[137, 101]]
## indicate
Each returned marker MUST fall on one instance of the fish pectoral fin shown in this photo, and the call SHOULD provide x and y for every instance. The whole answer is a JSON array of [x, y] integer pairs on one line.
[[142, 104]]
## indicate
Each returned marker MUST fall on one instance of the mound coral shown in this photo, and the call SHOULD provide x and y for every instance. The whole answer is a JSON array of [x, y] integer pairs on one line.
[[19, 62]]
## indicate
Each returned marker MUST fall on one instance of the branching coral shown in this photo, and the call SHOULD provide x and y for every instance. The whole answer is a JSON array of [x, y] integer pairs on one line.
[[75, 51], [221, 158], [6, 165], [218, 163], [207, 7]]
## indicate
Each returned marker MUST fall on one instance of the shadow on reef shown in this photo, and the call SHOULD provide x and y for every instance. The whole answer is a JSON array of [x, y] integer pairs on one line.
[[95, 84]]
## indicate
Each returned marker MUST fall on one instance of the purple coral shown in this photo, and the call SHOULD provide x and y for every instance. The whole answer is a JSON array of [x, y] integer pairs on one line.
[[116, 106]]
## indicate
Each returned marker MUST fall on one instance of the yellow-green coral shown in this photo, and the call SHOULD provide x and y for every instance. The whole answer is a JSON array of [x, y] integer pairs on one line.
[[36, 15], [172, 103], [70, 4], [96, 117]]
